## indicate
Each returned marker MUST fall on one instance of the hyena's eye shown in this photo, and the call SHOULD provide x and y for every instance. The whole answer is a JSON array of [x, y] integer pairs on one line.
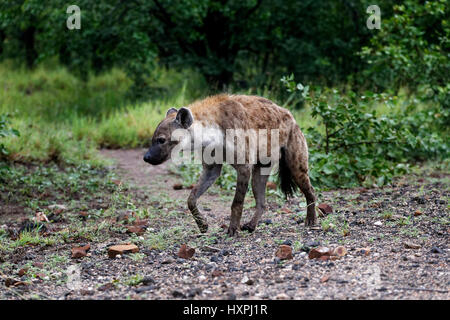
[[160, 140]]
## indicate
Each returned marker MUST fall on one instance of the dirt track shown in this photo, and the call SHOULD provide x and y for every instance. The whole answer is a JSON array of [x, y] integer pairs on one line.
[[403, 230]]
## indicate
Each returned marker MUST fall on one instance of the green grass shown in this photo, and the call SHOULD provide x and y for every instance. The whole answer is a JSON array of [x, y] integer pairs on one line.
[[61, 118], [65, 120]]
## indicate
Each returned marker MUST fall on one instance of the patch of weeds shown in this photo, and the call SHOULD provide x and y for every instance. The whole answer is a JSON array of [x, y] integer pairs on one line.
[[404, 221], [387, 215], [278, 241], [345, 229], [328, 223], [297, 245], [411, 232], [137, 257], [162, 239], [133, 280], [38, 186], [445, 221], [210, 240], [33, 238], [56, 260]]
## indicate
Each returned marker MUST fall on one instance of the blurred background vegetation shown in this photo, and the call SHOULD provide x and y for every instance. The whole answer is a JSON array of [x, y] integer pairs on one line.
[[371, 102]]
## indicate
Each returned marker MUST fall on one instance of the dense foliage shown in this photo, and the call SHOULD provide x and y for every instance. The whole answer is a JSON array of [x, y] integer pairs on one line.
[[252, 42], [351, 77]]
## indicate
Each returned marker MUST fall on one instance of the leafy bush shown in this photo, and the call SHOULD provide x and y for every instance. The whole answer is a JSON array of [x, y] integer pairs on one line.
[[411, 49], [354, 145], [5, 131]]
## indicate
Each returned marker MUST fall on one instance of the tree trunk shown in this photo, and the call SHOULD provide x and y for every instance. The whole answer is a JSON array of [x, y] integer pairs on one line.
[[2, 39], [28, 41]]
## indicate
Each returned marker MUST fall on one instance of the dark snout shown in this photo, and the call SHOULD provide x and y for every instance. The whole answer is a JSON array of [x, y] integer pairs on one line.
[[153, 156]]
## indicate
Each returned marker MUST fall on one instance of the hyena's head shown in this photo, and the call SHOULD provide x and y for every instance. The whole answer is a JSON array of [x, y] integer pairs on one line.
[[162, 143]]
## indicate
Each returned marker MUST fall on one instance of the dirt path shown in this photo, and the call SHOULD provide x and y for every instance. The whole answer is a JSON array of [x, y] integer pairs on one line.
[[389, 270], [396, 240]]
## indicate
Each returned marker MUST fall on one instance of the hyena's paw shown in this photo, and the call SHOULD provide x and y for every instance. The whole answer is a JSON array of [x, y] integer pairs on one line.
[[232, 231], [203, 227], [250, 227], [311, 221]]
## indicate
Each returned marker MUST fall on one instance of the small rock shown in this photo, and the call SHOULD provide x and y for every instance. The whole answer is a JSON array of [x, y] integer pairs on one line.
[[246, 280], [287, 242], [339, 251], [177, 186], [139, 230], [145, 288], [224, 252], [115, 250], [284, 252], [57, 208], [325, 278], [282, 296], [22, 271], [169, 260], [231, 296], [378, 223], [410, 245], [106, 287], [271, 185], [216, 273], [41, 217], [313, 244], [417, 213], [79, 252], [186, 252], [193, 292], [148, 280], [363, 251], [177, 294], [83, 215], [436, 250], [325, 209], [319, 252], [286, 210], [10, 282]]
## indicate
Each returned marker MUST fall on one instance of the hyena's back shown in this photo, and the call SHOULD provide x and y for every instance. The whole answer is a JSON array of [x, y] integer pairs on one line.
[[247, 112]]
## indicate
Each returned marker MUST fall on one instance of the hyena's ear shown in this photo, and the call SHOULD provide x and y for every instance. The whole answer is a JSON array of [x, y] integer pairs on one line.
[[171, 110], [184, 118]]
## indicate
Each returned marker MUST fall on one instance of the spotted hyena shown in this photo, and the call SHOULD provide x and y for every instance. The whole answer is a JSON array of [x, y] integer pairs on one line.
[[215, 116]]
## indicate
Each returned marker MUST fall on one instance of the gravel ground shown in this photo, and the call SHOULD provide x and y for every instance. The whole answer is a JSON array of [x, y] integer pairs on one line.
[[396, 239]]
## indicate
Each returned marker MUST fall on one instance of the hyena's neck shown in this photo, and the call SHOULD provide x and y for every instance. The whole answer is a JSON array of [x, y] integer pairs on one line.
[[204, 131]]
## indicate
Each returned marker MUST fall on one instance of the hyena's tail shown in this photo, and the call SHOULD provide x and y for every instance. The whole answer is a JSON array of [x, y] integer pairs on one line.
[[293, 172], [285, 177]]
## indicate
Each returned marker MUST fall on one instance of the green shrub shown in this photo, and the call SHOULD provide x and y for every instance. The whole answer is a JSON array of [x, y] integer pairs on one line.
[[5, 130], [354, 145]]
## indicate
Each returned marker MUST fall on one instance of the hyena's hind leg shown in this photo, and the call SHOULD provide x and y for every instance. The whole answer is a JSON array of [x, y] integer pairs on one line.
[[297, 161], [302, 180], [243, 177], [259, 182], [209, 175]]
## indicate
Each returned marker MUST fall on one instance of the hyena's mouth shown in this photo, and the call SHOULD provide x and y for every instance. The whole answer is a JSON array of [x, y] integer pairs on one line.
[[153, 160]]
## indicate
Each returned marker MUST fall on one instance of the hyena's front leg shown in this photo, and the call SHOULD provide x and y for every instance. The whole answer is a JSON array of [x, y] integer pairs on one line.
[[259, 182], [243, 176], [209, 175]]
